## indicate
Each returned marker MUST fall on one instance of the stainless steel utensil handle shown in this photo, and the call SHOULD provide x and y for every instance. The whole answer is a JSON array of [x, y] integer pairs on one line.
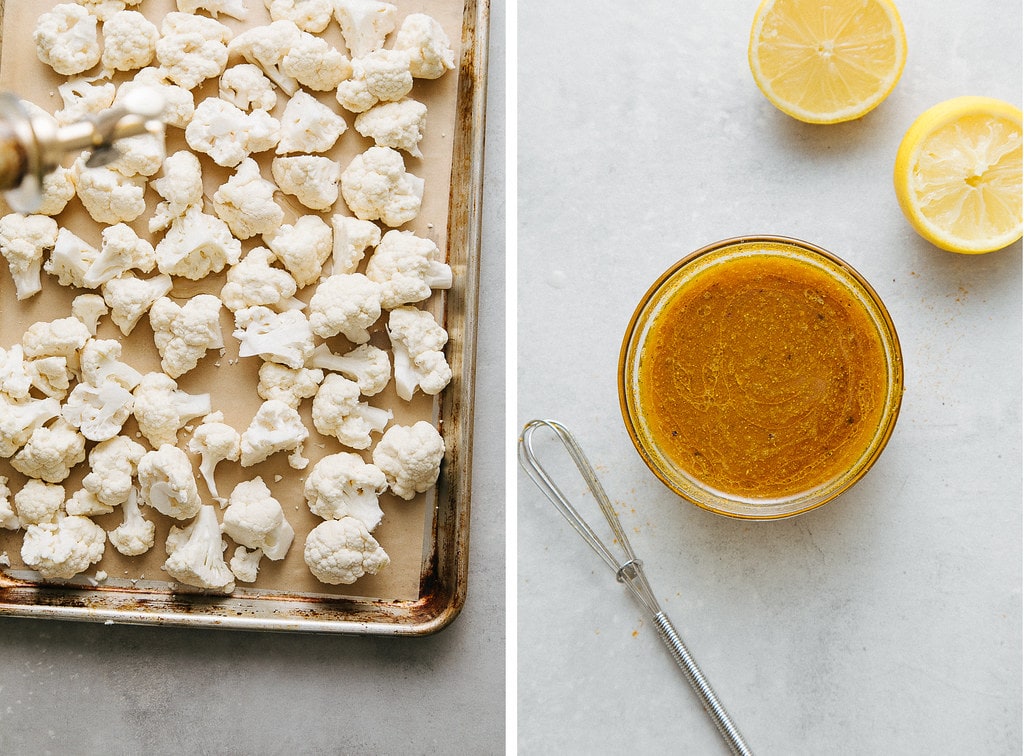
[[700, 685]]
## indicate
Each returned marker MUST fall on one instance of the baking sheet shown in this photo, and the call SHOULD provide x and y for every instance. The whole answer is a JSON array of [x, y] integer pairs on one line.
[[427, 538]]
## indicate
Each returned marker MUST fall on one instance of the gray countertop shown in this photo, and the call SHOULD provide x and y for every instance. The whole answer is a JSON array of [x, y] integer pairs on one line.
[[888, 621], [70, 687]]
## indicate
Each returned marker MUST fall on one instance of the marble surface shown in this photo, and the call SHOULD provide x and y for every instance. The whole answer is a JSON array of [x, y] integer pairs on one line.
[[93, 689], [886, 622]]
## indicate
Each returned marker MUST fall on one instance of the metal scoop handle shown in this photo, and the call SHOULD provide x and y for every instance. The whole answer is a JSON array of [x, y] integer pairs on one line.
[[628, 570]]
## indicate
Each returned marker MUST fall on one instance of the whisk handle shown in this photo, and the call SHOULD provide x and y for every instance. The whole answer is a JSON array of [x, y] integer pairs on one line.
[[700, 685]]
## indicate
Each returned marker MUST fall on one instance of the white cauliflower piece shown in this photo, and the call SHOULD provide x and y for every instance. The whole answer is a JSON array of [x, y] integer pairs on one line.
[[58, 189], [83, 97], [302, 248], [98, 412], [197, 245], [180, 186], [254, 518], [375, 185], [166, 482], [112, 467], [161, 408], [228, 134], [380, 76], [266, 46], [342, 551], [398, 125], [38, 502], [352, 237], [184, 333], [135, 535], [8, 517], [215, 441], [62, 337], [365, 24], [367, 365], [86, 504], [105, 9], [198, 555], [315, 63], [234, 8], [101, 362], [70, 259], [347, 303], [307, 125], [245, 564], [309, 15], [19, 420], [51, 376], [343, 485], [417, 342], [89, 308], [179, 103], [108, 196], [23, 240], [312, 179], [410, 457], [408, 268], [51, 452], [275, 427], [430, 52], [284, 337], [15, 378], [121, 249], [254, 281], [141, 155], [129, 298], [63, 549], [67, 39], [338, 412], [246, 202], [192, 49], [289, 385], [245, 87], [129, 41]]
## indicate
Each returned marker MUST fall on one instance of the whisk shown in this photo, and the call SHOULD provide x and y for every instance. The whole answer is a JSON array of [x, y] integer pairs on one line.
[[628, 571]]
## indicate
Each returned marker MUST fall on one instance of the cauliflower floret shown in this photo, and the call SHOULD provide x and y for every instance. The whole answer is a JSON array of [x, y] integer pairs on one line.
[[15, 379], [141, 155], [408, 268], [215, 441], [342, 551], [89, 308], [284, 337], [275, 427], [161, 408], [184, 333], [51, 452], [254, 281], [352, 237], [58, 189], [63, 337], [98, 411], [417, 342], [309, 15], [430, 52], [343, 485], [289, 385], [266, 46], [62, 549], [179, 103], [338, 412], [367, 365], [135, 535], [23, 240], [121, 249], [233, 8], [348, 304], [19, 420], [129, 298], [82, 98], [245, 87], [410, 457], [101, 362], [70, 259], [129, 41], [196, 245], [245, 564], [192, 48], [254, 518], [167, 484], [8, 517], [307, 125], [246, 202], [108, 196], [67, 39], [38, 502], [86, 504], [104, 9], [112, 466], [315, 64], [228, 134], [398, 125], [302, 248], [375, 186], [365, 24], [312, 179], [380, 76], [51, 376], [181, 187], [197, 558]]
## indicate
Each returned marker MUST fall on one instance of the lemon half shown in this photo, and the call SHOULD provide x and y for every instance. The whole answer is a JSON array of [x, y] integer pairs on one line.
[[958, 175], [827, 62]]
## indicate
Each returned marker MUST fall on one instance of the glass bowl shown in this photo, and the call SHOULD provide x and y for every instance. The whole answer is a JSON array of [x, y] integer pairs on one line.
[[760, 377]]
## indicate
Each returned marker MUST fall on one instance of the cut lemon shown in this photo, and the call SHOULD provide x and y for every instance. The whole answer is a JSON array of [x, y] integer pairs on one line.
[[958, 175], [827, 62]]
